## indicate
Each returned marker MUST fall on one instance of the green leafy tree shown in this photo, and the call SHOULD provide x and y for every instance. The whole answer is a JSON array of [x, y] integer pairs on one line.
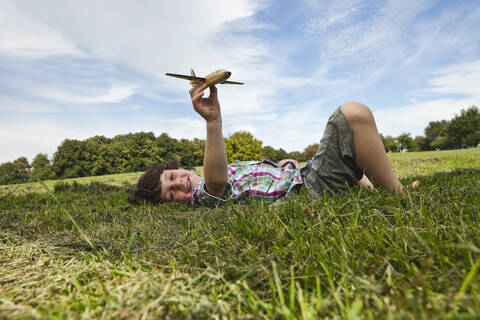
[[22, 168], [281, 154], [69, 159], [185, 149], [296, 155], [17, 171], [310, 151], [462, 128], [135, 151], [167, 147], [404, 142], [435, 134], [272, 154], [389, 143], [8, 173], [440, 143], [243, 146], [472, 139], [199, 151], [269, 153], [41, 168], [419, 143]]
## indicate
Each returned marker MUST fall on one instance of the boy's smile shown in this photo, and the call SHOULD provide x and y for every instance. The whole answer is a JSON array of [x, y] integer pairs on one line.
[[177, 184]]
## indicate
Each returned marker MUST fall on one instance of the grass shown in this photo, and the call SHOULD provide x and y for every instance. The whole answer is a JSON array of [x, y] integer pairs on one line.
[[111, 179], [121, 179], [88, 253]]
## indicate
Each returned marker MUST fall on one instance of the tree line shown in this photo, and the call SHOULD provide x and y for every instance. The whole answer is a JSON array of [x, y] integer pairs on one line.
[[462, 131], [133, 152]]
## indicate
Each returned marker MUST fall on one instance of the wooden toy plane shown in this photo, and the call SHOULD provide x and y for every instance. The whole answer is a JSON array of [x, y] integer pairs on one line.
[[219, 76]]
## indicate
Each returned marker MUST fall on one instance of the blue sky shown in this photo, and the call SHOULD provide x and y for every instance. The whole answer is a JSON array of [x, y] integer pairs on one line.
[[75, 69]]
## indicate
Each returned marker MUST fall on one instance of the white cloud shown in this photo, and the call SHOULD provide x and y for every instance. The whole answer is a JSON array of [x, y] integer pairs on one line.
[[415, 117], [462, 79], [19, 106], [114, 94], [153, 36], [30, 138], [363, 39], [22, 36], [159, 37]]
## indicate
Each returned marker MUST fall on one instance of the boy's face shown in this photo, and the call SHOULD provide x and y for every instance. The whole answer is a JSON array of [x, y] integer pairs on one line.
[[177, 184]]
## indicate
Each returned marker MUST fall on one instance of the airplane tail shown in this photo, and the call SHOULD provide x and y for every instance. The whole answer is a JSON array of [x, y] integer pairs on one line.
[[194, 82]]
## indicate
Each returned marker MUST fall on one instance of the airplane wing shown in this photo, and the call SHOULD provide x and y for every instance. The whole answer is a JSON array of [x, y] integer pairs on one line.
[[231, 82], [182, 76], [194, 78]]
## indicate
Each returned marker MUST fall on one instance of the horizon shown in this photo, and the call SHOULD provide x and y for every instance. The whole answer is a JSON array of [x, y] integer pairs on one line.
[[77, 70]]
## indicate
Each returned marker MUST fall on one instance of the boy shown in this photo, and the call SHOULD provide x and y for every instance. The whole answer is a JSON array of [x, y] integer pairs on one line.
[[349, 148]]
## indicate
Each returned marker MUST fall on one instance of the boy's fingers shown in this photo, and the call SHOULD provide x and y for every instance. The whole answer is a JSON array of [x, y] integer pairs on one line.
[[200, 87], [197, 96], [213, 93]]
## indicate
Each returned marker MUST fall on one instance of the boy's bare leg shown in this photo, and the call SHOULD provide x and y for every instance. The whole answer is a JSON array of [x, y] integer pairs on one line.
[[369, 150]]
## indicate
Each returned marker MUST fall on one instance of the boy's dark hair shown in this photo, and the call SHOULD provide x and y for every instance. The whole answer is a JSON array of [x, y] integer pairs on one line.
[[147, 189]]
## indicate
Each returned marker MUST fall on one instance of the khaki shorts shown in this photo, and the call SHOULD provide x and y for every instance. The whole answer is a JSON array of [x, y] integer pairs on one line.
[[333, 168]]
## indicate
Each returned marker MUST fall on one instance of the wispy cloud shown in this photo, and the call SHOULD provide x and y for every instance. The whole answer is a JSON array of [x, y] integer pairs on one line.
[[463, 78], [113, 94], [458, 79], [22, 36]]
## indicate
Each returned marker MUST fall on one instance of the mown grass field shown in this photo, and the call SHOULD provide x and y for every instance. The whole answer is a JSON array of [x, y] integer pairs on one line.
[[85, 252]]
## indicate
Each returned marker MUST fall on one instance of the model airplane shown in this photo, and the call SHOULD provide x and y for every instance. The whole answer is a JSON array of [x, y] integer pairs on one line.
[[219, 76]]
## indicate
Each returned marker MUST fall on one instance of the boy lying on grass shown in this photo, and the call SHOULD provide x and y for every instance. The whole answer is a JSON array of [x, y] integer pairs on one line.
[[350, 151]]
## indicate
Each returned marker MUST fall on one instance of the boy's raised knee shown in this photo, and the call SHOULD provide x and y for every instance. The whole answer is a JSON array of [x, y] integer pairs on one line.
[[356, 112]]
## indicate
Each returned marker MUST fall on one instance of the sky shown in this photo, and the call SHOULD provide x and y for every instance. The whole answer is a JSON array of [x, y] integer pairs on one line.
[[79, 68]]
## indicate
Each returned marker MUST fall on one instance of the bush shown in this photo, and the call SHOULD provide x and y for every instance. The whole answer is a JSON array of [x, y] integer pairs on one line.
[[93, 187]]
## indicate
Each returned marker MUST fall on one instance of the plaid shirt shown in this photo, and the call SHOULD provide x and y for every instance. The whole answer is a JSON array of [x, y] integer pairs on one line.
[[253, 180]]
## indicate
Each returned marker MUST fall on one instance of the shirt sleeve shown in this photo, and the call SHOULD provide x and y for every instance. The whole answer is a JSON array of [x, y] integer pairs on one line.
[[201, 197]]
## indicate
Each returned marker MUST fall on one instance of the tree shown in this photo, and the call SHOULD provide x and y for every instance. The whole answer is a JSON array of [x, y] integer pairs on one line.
[[134, 152], [243, 146], [22, 168], [420, 144], [199, 150], [404, 142], [41, 168], [166, 147], [389, 143], [186, 152], [310, 151], [472, 139], [281, 154], [440, 143], [463, 127], [69, 159], [272, 154], [269, 153], [8, 173], [435, 134], [297, 155]]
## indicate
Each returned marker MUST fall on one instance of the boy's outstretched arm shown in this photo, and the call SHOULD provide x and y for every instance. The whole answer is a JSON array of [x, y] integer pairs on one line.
[[215, 158]]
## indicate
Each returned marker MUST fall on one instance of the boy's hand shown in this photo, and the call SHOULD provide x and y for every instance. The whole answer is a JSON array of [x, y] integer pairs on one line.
[[208, 108], [295, 162]]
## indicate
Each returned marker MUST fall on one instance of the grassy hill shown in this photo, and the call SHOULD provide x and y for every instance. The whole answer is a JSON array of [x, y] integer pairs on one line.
[[88, 253]]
